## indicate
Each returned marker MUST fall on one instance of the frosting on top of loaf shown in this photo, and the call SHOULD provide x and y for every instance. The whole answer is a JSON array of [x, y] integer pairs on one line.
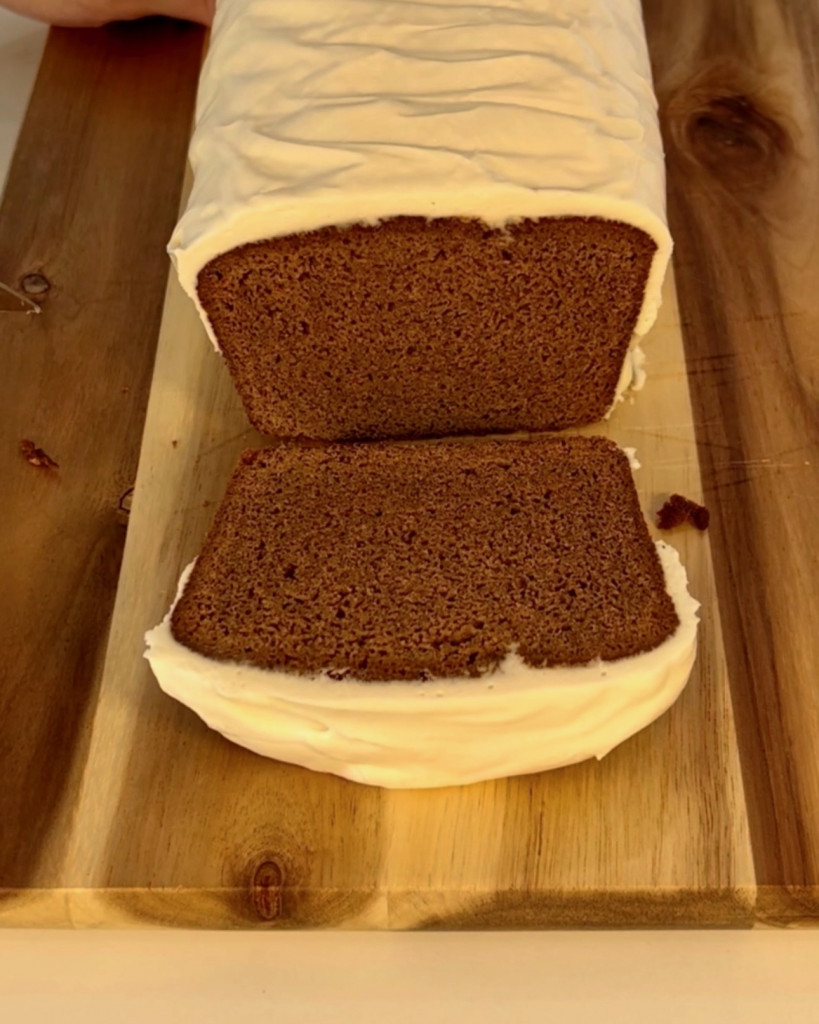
[[322, 113]]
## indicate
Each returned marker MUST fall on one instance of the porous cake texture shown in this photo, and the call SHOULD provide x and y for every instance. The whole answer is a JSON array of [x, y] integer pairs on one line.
[[413, 218], [414, 562], [429, 327]]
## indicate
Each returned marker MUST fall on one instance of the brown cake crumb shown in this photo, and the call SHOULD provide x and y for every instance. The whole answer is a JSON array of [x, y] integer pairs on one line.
[[408, 562], [36, 456], [678, 510], [424, 328]]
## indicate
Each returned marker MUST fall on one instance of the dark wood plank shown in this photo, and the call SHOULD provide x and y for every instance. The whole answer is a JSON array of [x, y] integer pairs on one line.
[[737, 85], [91, 199]]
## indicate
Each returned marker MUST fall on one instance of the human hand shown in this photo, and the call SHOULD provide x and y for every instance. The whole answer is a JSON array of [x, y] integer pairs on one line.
[[91, 13]]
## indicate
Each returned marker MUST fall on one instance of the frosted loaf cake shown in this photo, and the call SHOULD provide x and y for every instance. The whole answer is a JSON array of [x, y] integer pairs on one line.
[[427, 615], [425, 218]]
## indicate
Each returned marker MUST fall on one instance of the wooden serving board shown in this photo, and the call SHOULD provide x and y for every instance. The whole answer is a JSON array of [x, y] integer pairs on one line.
[[172, 822], [120, 807]]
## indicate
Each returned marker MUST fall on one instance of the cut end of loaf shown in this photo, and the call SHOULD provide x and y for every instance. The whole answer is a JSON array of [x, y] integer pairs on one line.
[[417, 327]]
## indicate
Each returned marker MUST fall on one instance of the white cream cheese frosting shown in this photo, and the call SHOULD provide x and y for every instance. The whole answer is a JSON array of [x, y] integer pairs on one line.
[[446, 732], [317, 113]]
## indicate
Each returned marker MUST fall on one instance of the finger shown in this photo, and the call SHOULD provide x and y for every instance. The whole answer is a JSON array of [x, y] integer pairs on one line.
[[200, 11], [92, 13]]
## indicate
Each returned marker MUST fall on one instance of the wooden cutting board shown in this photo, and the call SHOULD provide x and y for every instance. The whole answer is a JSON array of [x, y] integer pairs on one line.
[[120, 807]]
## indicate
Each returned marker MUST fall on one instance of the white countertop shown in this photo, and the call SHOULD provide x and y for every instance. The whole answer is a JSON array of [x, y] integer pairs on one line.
[[321, 977], [21, 44], [685, 977]]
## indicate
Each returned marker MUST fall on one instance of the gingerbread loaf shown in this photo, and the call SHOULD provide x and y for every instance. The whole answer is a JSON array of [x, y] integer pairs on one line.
[[415, 615], [414, 219]]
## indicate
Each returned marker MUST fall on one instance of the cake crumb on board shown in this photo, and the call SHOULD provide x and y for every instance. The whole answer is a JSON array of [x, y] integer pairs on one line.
[[36, 456], [679, 510]]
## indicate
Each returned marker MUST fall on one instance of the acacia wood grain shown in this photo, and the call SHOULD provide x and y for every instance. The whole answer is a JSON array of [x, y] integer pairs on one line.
[[173, 824], [91, 197], [161, 821], [738, 87]]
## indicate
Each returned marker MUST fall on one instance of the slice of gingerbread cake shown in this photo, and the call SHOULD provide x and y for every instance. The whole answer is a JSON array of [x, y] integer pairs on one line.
[[425, 219], [425, 615]]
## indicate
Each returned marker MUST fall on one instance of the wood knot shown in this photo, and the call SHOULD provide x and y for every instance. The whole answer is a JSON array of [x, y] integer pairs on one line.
[[35, 284], [721, 124], [123, 510], [733, 135], [266, 890]]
